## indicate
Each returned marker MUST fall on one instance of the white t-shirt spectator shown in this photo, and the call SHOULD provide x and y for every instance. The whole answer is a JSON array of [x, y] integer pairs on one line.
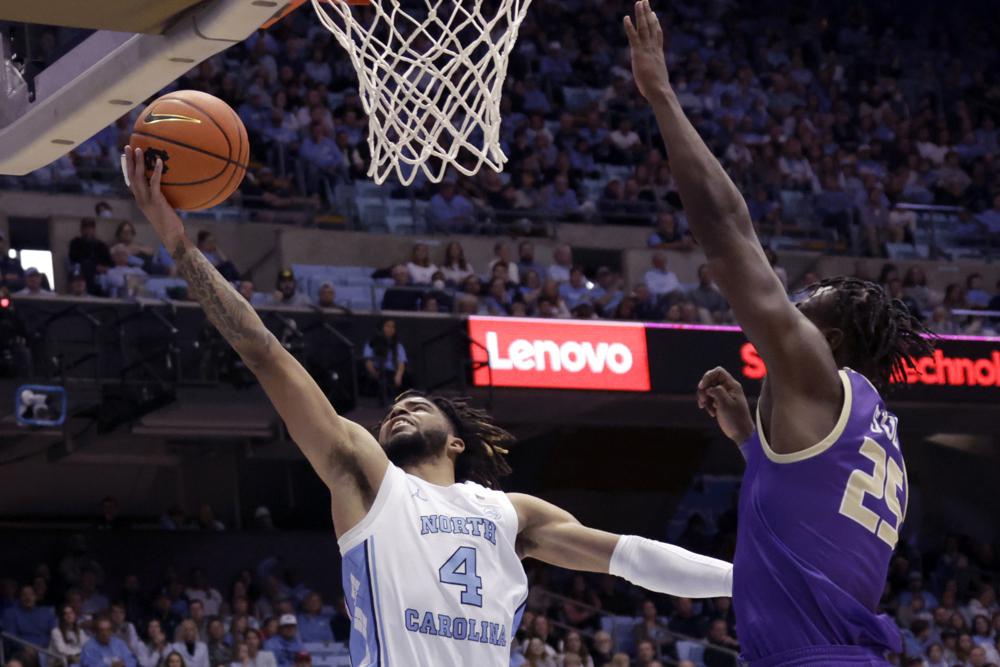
[[456, 274], [662, 282], [625, 140], [68, 644], [421, 275], [210, 599]]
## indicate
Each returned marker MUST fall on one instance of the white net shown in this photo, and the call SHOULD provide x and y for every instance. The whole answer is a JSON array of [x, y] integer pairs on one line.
[[430, 75]]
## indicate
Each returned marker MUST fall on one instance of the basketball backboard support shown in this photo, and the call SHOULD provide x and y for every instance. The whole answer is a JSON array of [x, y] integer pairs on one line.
[[112, 71]]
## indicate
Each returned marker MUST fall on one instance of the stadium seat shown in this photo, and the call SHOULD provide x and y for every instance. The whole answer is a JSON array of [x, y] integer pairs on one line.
[[693, 651]]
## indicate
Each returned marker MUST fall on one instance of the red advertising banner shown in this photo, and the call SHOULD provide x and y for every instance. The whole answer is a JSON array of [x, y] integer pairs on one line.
[[559, 354]]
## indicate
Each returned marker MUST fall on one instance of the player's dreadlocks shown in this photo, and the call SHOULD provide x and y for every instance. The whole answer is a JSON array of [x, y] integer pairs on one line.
[[884, 337], [486, 444]]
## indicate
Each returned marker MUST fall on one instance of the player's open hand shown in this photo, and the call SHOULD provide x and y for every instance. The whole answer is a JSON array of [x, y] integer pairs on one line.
[[645, 37], [150, 198], [722, 397]]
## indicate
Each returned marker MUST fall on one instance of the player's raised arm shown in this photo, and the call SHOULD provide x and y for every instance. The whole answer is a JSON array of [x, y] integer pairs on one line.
[[345, 456], [798, 357], [553, 535]]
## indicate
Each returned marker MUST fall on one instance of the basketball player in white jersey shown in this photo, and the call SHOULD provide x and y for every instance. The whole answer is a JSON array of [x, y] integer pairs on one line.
[[431, 550]]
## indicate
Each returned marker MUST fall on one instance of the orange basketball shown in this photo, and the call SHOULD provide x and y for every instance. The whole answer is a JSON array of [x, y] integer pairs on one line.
[[202, 143]]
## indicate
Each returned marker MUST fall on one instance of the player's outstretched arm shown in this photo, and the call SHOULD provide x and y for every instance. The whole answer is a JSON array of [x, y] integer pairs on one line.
[[553, 535], [345, 456], [798, 357]]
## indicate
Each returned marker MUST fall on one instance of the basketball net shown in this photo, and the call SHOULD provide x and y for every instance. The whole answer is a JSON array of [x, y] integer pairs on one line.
[[430, 77]]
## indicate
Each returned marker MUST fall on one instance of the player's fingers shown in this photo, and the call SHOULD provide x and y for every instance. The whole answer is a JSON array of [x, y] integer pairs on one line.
[[713, 377], [640, 21], [649, 19], [630, 31], [719, 395], [140, 186], [154, 181]]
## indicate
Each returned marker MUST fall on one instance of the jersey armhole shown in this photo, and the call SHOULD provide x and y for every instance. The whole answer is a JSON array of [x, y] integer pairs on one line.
[[362, 529], [822, 445]]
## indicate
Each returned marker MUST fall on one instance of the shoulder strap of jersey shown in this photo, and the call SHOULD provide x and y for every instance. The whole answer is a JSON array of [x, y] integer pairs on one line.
[[393, 480]]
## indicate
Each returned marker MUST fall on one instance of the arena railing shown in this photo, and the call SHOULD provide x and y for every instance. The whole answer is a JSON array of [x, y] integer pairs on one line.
[[51, 659]]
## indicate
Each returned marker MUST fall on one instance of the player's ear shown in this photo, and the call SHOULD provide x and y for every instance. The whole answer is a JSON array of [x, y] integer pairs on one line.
[[835, 337], [455, 445]]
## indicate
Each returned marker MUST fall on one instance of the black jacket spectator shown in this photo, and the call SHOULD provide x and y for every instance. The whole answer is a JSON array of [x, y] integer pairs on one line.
[[90, 254]]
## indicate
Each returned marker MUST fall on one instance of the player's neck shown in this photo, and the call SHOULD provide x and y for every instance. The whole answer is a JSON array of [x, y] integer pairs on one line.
[[440, 472]]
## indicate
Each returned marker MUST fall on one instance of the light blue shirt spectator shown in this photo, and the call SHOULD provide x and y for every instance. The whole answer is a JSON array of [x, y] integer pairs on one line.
[[574, 296], [284, 649], [449, 209], [560, 199], [315, 628], [114, 281], [322, 151], [390, 360], [96, 654]]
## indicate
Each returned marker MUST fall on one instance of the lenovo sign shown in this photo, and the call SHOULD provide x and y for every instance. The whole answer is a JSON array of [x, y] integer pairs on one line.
[[556, 354]]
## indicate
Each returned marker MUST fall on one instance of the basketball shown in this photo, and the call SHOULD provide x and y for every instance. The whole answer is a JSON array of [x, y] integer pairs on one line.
[[203, 145]]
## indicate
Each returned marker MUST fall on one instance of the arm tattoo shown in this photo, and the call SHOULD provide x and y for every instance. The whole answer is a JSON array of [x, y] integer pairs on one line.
[[225, 308]]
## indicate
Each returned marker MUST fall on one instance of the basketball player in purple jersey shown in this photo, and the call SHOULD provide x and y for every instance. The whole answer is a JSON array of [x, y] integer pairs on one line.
[[824, 491]]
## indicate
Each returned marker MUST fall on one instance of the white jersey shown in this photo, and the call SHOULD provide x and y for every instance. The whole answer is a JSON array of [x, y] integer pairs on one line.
[[431, 576]]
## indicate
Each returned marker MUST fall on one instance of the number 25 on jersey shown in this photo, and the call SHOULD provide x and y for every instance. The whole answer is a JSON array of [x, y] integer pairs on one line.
[[883, 483]]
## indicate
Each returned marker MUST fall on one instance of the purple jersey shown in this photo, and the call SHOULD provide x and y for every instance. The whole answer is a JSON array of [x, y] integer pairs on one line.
[[816, 532]]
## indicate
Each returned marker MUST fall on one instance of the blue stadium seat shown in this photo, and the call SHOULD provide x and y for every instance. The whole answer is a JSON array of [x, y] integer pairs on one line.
[[693, 651]]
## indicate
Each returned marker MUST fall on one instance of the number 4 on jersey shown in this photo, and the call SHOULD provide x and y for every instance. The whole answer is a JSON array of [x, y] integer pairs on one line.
[[460, 570]]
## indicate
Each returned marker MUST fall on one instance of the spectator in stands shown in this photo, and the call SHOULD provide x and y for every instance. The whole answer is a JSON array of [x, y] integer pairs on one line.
[[287, 291], [708, 299], [110, 518], [718, 636], [499, 299], [286, 643], [455, 267], [449, 210], [526, 260], [67, 639], [990, 218], [562, 257], [94, 602], [603, 648], [582, 605], [201, 590], [559, 199], [915, 286], [194, 651], [573, 646], [256, 655], [386, 362], [210, 249], [684, 621], [122, 628], [607, 293], [106, 650], [314, 625], [322, 155], [11, 273], [33, 284], [327, 297], [420, 266], [649, 628], [668, 234], [626, 144], [975, 295], [659, 279], [577, 290], [123, 278], [164, 614], [501, 255], [401, 296], [539, 654], [645, 653], [154, 651], [219, 650], [941, 321], [138, 254], [550, 293], [896, 291], [89, 254]]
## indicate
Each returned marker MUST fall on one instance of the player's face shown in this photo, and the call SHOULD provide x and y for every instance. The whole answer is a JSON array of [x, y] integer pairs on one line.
[[819, 307], [413, 431]]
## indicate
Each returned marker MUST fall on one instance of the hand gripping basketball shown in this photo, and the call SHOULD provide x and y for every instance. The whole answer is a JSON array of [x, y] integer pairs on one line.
[[150, 199]]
